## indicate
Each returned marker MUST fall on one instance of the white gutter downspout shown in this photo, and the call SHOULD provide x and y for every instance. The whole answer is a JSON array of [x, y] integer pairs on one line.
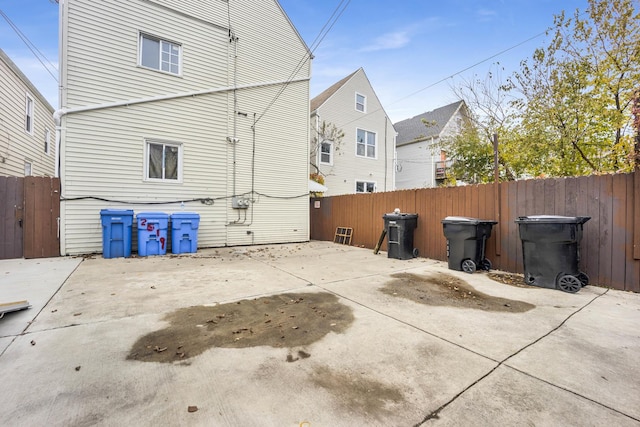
[[57, 115]]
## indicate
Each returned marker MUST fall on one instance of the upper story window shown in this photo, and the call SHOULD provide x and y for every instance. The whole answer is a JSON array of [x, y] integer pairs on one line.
[[361, 103], [365, 143], [326, 152], [28, 122], [47, 140], [164, 161], [161, 55]]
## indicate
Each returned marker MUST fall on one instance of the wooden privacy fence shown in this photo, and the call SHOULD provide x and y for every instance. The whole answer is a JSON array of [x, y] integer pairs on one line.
[[29, 217], [610, 246]]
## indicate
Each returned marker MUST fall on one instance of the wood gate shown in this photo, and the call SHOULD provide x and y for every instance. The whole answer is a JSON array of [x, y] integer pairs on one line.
[[29, 217]]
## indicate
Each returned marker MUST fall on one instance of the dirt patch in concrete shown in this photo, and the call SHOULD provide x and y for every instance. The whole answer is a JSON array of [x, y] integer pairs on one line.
[[286, 320], [441, 289], [510, 279], [357, 393]]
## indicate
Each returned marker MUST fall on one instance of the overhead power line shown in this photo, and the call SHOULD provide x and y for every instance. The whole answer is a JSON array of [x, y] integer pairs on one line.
[[326, 28], [32, 47], [451, 75]]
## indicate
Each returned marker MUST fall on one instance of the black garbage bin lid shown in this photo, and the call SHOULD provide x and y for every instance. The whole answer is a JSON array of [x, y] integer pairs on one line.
[[553, 219], [466, 220], [396, 216]]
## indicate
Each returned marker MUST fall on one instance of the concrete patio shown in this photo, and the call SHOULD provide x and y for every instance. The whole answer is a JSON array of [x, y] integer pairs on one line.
[[569, 360]]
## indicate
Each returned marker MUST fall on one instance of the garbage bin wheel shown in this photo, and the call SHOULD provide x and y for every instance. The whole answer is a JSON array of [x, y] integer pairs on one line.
[[568, 283], [416, 252], [468, 266], [584, 279], [485, 264]]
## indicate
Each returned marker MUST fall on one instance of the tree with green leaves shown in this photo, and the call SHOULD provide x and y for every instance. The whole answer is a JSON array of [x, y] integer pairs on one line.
[[568, 110]]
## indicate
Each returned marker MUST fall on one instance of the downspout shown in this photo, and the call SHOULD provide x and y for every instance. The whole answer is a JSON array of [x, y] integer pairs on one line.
[[233, 39], [386, 161], [56, 116]]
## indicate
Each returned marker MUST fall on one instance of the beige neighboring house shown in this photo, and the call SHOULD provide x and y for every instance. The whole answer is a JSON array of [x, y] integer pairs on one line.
[[27, 129], [420, 161], [363, 161], [184, 105]]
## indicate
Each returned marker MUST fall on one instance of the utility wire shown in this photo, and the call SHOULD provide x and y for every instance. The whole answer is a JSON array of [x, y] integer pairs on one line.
[[32, 47], [326, 28], [450, 76]]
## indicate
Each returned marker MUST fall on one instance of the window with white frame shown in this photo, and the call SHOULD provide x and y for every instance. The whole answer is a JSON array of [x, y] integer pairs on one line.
[[28, 122], [28, 168], [164, 161], [47, 140], [365, 143], [361, 103], [326, 152], [159, 54], [365, 187]]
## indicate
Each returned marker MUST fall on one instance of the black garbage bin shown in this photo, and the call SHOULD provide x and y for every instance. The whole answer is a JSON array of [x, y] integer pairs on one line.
[[466, 242], [551, 251], [399, 227]]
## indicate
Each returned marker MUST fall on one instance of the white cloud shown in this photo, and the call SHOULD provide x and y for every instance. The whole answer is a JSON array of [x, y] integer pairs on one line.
[[388, 41], [486, 14]]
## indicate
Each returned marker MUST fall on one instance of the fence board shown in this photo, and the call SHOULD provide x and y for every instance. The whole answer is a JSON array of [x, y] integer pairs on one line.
[[632, 270], [11, 211], [618, 235]]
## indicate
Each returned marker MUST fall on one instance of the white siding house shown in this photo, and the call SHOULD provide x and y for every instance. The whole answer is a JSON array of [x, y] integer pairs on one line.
[[420, 161], [27, 128], [363, 161], [189, 105]]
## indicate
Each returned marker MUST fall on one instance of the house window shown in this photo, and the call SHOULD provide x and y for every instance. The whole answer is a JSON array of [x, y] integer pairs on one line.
[[361, 102], [160, 54], [164, 161], [326, 152], [365, 144], [28, 168], [47, 140], [28, 122], [365, 187]]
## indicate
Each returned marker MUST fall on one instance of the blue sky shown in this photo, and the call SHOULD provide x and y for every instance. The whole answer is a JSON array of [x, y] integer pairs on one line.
[[406, 47]]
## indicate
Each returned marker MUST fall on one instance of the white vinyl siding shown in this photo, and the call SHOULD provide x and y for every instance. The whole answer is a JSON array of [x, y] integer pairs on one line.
[[16, 144], [105, 155], [349, 167]]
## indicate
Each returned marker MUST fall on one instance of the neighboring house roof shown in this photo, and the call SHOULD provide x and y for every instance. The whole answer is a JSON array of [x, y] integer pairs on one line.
[[414, 129], [326, 94], [32, 89]]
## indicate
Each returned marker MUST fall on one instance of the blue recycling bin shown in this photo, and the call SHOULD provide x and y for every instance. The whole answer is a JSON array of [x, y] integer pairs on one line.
[[116, 232], [184, 232], [152, 233]]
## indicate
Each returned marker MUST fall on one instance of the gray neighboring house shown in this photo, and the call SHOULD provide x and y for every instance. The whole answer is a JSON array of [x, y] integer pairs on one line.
[[26, 125], [420, 162], [363, 162]]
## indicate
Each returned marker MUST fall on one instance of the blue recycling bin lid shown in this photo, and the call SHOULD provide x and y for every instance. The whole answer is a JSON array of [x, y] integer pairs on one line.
[[185, 215], [116, 212], [552, 219]]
